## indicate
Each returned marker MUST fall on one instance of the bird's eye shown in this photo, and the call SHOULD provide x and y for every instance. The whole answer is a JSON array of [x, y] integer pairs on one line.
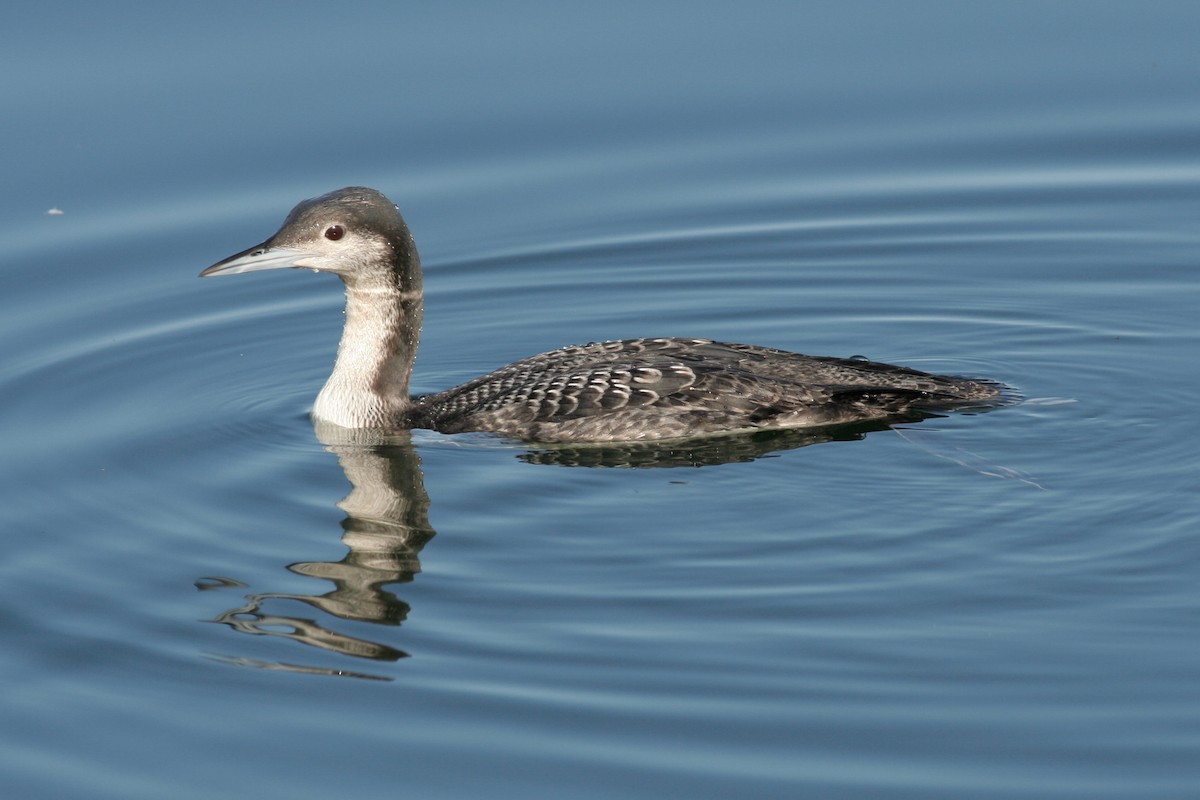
[[334, 232]]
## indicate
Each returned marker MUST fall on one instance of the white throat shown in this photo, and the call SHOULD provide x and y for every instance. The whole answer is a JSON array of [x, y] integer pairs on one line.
[[369, 384]]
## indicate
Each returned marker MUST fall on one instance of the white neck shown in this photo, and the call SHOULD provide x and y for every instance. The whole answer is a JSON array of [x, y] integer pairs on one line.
[[369, 384]]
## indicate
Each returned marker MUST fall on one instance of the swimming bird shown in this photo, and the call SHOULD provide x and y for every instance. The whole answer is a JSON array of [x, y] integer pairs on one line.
[[614, 391]]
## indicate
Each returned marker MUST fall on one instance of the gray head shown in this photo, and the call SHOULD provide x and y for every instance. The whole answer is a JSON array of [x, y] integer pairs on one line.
[[355, 233]]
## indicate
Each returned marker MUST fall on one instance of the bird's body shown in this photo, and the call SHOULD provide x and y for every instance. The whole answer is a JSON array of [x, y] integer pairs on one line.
[[628, 390], [665, 388]]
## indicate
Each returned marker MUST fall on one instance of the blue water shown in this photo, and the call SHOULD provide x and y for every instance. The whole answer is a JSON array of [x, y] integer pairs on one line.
[[201, 596]]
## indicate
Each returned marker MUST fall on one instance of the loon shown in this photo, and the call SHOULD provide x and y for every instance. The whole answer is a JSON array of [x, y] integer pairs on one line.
[[613, 391]]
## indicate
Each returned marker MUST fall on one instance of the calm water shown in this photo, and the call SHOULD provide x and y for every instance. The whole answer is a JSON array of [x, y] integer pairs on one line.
[[201, 596]]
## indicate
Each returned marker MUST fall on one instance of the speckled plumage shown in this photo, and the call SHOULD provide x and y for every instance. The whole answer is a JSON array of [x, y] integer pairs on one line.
[[628, 390], [638, 389]]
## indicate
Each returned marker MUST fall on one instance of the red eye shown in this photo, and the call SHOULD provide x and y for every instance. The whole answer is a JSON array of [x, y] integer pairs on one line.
[[334, 232]]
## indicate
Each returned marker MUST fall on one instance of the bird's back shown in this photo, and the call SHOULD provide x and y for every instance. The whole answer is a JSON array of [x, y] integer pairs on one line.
[[638, 389]]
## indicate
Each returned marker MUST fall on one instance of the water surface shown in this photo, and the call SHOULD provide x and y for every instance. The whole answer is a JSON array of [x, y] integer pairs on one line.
[[203, 595]]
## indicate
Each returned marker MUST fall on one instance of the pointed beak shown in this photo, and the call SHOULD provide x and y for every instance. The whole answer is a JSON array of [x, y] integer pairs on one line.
[[260, 257]]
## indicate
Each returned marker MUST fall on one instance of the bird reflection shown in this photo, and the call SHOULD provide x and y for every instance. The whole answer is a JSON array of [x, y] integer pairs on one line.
[[700, 452], [387, 525]]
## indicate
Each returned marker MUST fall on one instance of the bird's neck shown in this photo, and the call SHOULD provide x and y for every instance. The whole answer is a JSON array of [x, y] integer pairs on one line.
[[369, 384]]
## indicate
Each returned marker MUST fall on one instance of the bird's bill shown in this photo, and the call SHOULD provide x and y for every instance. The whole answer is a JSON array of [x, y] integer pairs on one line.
[[257, 258]]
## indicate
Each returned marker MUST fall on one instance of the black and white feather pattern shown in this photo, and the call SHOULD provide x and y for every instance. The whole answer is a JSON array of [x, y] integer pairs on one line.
[[661, 388]]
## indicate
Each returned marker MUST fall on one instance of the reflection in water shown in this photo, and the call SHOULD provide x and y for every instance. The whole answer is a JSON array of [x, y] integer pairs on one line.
[[702, 452], [387, 525]]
